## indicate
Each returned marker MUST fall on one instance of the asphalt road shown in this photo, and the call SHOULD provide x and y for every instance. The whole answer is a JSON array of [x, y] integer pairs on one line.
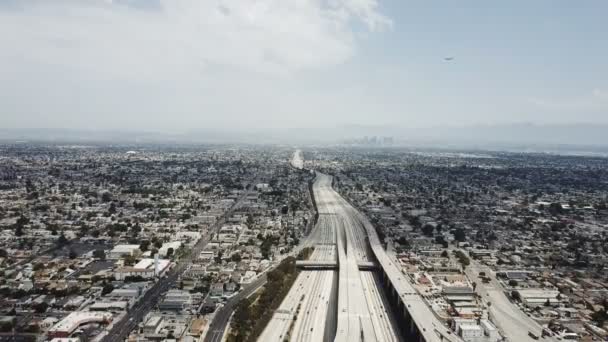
[[222, 316], [121, 329], [220, 321], [513, 322]]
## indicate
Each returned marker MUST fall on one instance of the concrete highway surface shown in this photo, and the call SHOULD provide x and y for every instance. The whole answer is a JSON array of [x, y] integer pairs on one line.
[[308, 313], [308, 300]]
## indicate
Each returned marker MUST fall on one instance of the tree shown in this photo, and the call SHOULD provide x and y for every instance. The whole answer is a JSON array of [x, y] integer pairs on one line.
[[460, 235], [445, 254], [236, 257], [136, 229], [18, 230], [548, 302], [107, 288], [6, 326], [439, 228], [112, 209], [402, 241], [250, 220], [144, 245], [600, 317], [99, 254], [415, 222], [513, 283], [129, 260], [41, 307], [106, 197], [62, 240], [218, 258], [170, 251], [20, 224], [428, 230], [462, 258], [72, 254]]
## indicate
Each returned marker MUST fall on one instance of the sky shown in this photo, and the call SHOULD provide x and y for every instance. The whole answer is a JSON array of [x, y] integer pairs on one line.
[[180, 65]]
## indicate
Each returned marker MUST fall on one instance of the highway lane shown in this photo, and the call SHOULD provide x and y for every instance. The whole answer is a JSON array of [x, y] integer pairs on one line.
[[307, 303], [312, 315], [308, 297], [361, 310]]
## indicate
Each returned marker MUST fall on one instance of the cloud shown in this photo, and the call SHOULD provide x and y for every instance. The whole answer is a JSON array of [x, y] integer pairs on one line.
[[600, 94], [137, 39]]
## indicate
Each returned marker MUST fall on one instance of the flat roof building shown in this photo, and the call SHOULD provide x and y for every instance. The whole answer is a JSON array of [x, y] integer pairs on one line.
[[71, 322]]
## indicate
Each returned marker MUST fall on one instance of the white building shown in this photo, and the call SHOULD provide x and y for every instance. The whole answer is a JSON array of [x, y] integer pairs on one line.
[[71, 322], [146, 268], [538, 297], [472, 330], [120, 250]]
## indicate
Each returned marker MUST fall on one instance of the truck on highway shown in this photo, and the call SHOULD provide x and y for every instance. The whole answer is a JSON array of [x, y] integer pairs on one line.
[[533, 335]]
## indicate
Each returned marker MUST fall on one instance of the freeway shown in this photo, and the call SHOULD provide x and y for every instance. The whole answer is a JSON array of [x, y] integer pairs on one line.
[[308, 313], [308, 302], [513, 323], [121, 329], [362, 309], [222, 317]]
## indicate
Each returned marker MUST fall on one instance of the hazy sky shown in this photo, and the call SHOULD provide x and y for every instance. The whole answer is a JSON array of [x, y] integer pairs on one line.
[[187, 64]]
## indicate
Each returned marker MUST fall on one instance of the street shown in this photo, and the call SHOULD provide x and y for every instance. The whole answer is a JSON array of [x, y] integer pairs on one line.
[[513, 323], [121, 329]]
